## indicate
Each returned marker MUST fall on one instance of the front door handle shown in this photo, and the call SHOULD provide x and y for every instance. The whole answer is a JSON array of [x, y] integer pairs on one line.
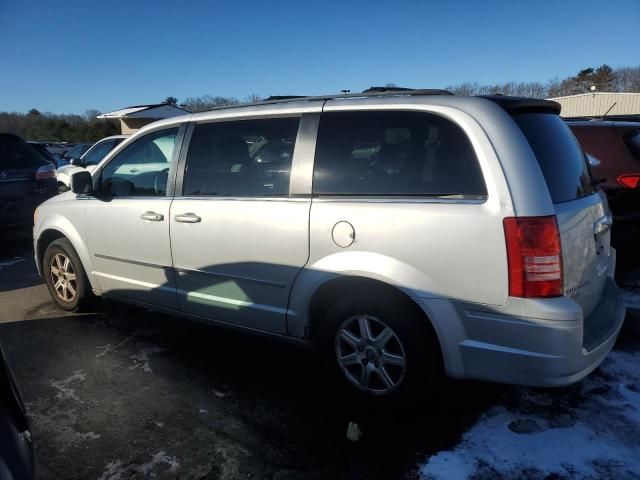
[[152, 216], [187, 218]]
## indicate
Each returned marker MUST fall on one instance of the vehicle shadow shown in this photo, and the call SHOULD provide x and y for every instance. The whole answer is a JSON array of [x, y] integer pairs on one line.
[[292, 412]]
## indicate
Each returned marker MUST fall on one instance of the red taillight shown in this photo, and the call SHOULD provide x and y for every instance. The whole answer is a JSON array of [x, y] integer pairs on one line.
[[631, 180], [47, 171], [534, 256]]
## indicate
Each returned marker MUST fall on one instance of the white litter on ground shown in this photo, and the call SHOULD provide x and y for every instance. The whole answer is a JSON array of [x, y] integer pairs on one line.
[[590, 430]]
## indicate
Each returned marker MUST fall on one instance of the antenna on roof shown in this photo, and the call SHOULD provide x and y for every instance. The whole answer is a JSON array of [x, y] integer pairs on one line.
[[345, 91]]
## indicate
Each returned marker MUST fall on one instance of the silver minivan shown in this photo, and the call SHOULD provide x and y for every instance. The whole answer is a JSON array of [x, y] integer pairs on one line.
[[402, 234]]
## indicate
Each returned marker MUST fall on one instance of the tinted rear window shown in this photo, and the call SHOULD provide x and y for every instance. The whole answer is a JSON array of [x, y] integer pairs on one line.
[[18, 154], [632, 141], [559, 154], [395, 153]]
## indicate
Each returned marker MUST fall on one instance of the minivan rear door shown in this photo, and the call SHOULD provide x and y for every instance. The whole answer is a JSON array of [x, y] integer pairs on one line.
[[583, 219]]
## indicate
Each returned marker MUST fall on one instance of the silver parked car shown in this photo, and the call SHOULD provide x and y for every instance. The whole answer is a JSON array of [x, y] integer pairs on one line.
[[403, 234]]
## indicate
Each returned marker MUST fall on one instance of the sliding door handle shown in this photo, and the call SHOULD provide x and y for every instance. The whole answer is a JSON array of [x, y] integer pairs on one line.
[[152, 216], [187, 218]]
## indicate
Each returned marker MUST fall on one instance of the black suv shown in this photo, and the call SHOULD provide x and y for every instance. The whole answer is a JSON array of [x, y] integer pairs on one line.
[[26, 180]]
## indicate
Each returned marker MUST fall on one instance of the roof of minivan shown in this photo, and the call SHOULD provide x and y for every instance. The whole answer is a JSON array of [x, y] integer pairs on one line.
[[293, 106]]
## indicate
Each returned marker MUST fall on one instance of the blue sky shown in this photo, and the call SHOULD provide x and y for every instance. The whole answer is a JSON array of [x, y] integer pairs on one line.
[[69, 56]]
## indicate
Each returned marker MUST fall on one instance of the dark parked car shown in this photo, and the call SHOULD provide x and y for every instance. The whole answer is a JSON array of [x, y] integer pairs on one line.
[[76, 151], [26, 180], [44, 152], [16, 450], [614, 151]]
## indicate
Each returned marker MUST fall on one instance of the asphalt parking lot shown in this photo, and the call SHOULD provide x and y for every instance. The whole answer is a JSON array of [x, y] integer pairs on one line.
[[127, 393]]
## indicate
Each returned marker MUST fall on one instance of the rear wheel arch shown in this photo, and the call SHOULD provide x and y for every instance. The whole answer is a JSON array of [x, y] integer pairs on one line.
[[344, 287], [408, 358]]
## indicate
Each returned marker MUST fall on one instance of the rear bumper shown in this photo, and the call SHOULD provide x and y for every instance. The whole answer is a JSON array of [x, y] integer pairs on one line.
[[542, 342]]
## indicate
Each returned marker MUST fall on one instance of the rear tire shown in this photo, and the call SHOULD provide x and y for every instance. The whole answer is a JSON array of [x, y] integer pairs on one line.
[[380, 347], [65, 277]]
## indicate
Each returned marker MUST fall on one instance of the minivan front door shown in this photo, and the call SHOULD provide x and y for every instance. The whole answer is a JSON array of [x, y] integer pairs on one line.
[[238, 239], [127, 222]]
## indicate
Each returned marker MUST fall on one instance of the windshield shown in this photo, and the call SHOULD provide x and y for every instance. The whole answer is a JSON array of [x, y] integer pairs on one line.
[[99, 151]]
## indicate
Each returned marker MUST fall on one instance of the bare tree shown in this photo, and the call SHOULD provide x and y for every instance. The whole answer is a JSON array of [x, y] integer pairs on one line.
[[207, 102], [627, 79], [253, 98]]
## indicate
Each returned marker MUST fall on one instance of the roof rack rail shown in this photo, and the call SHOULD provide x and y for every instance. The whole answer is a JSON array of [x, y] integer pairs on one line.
[[390, 92], [386, 89]]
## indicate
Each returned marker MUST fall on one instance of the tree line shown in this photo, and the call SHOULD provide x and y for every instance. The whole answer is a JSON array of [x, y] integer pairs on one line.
[[603, 78], [51, 127], [35, 125]]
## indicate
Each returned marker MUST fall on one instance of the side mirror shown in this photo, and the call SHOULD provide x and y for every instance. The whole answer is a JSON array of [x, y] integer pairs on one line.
[[82, 183], [75, 161]]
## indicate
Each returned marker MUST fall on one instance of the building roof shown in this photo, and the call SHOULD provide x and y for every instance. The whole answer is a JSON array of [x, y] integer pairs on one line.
[[157, 111]]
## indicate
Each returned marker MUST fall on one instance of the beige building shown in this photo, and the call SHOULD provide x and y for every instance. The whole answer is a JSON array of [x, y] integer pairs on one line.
[[133, 118], [596, 104]]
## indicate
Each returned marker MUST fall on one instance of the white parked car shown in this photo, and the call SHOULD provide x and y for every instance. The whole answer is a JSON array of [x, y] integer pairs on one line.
[[88, 160]]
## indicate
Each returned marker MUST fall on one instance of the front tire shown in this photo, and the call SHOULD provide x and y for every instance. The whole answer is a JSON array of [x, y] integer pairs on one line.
[[64, 275]]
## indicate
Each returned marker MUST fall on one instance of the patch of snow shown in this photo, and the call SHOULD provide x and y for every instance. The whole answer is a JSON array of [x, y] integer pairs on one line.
[[598, 436], [62, 385], [141, 360], [110, 348], [116, 470]]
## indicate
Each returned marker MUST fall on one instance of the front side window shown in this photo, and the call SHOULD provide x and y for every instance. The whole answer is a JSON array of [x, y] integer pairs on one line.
[[142, 168], [246, 158], [395, 153]]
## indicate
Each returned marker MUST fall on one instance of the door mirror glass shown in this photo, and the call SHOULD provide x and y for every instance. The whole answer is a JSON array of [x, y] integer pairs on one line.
[[82, 183]]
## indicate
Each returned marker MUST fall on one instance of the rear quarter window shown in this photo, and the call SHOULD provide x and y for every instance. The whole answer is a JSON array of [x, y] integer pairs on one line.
[[395, 153], [561, 159]]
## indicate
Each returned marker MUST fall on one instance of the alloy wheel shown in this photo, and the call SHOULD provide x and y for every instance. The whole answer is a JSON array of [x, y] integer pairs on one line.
[[63, 277], [370, 354]]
